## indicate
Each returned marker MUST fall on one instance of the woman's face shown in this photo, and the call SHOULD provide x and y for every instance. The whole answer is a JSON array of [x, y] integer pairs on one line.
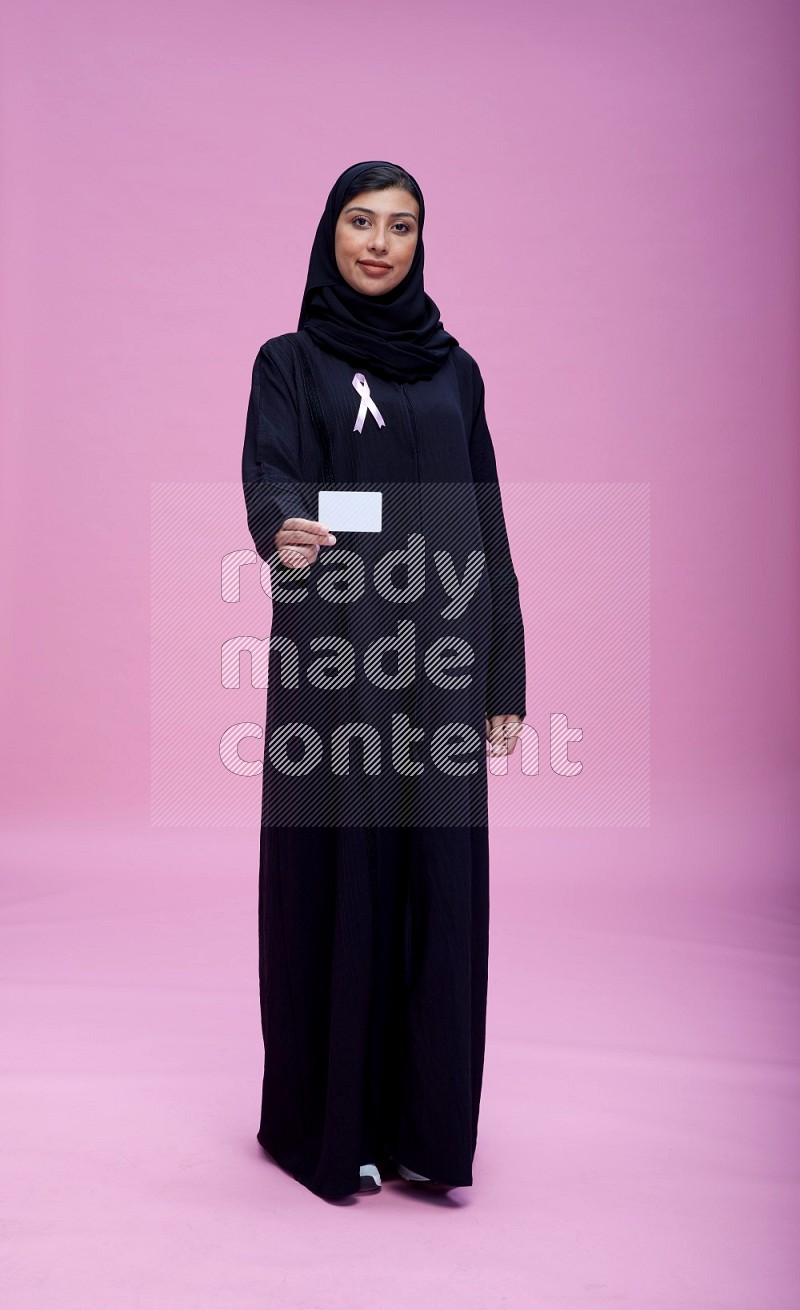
[[376, 236]]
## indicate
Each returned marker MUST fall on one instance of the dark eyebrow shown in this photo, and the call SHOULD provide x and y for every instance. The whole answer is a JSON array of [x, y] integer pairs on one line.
[[399, 213]]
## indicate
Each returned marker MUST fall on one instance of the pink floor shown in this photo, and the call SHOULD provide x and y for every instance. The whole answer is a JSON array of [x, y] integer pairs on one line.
[[639, 1122]]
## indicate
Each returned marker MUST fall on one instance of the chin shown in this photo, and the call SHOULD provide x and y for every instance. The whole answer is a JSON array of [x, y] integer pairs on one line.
[[373, 288]]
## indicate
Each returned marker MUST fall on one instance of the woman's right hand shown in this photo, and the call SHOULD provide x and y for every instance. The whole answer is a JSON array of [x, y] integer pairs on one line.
[[297, 541]]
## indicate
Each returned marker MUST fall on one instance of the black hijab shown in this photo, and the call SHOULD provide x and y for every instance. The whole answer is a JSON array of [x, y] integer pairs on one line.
[[398, 334]]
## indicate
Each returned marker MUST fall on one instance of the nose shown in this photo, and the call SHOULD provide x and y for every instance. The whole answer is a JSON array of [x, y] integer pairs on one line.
[[378, 241]]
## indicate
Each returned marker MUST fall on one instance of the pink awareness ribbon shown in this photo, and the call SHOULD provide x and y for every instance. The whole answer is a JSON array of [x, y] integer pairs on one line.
[[367, 403]]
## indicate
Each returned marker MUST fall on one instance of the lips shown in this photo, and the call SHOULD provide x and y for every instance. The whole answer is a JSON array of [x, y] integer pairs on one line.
[[368, 263]]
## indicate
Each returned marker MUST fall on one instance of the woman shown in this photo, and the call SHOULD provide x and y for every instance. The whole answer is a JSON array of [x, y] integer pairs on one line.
[[396, 649]]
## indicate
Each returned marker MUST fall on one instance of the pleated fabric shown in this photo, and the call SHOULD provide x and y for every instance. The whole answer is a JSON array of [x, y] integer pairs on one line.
[[373, 983]]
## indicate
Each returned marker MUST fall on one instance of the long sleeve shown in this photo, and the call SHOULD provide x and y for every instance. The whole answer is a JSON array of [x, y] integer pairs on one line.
[[272, 459], [506, 689]]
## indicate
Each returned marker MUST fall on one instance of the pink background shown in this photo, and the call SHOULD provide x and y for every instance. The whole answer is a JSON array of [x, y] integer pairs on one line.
[[612, 220]]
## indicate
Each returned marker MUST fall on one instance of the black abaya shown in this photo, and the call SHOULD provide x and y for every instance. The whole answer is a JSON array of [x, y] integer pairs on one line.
[[374, 888]]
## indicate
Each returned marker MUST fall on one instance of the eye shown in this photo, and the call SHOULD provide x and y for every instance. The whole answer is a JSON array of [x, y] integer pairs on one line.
[[362, 218]]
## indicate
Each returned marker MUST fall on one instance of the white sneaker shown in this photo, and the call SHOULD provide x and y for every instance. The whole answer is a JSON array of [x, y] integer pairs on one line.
[[410, 1176], [370, 1178]]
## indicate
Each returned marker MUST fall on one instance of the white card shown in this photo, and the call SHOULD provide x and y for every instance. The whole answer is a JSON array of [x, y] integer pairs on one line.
[[350, 511]]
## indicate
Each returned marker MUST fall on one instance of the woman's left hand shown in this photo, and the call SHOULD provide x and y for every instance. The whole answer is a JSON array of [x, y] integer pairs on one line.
[[502, 731]]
